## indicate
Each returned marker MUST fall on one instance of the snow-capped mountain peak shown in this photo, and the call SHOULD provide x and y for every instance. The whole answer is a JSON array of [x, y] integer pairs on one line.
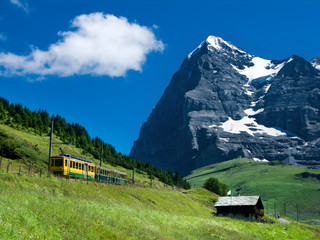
[[214, 43], [224, 103], [220, 44]]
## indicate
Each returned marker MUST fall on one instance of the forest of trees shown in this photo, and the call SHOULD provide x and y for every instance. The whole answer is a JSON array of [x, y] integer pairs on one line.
[[40, 122]]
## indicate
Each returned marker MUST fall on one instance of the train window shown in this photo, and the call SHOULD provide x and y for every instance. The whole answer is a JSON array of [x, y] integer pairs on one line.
[[52, 162], [58, 163], [74, 165], [81, 166], [66, 162]]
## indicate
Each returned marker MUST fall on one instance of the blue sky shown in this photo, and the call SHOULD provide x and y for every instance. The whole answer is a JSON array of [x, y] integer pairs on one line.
[[105, 63]]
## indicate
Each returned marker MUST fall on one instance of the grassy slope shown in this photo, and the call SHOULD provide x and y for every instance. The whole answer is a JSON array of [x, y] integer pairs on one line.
[[36, 149], [46, 208], [274, 183]]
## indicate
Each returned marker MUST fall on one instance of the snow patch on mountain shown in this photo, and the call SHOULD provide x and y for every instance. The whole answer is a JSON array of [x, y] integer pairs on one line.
[[261, 68], [251, 112], [250, 126], [259, 160], [316, 65], [267, 88], [194, 51]]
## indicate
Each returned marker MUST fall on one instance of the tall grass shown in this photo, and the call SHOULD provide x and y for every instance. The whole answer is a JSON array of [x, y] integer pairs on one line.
[[48, 208]]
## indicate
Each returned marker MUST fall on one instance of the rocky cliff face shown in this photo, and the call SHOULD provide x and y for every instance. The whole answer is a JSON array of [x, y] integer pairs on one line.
[[224, 103]]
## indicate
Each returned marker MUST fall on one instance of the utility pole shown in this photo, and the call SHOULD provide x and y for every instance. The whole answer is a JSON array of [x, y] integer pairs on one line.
[[50, 147], [100, 160], [101, 152], [132, 171]]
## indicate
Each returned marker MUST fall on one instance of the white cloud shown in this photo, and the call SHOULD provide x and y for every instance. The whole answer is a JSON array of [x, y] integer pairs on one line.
[[21, 4], [99, 45]]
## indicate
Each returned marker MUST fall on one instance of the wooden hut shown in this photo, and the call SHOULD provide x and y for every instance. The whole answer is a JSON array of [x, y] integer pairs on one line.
[[242, 207]]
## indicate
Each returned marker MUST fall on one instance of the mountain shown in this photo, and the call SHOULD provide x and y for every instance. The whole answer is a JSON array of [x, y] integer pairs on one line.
[[316, 62], [224, 103]]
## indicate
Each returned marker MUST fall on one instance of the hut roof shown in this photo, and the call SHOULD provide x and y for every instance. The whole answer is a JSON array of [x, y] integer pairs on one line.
[[239, 201]]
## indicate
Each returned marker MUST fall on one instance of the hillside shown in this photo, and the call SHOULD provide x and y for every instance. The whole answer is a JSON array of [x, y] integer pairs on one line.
[[24, 139], [28, 147], [280, 186], [46, 208]]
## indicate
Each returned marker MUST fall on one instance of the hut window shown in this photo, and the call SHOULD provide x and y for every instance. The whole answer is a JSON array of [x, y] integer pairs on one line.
[[52, 162]]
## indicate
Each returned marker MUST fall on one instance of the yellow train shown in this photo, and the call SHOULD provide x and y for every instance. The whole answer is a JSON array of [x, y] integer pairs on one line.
[[76, 167]]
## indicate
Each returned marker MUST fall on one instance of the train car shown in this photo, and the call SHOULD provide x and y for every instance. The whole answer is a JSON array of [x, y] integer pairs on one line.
[[103, 174], [111, 176], [72, 166], [120, 177]]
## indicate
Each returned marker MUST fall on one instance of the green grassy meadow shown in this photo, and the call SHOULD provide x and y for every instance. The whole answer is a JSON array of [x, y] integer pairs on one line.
[[49, 208], [280, 186]]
